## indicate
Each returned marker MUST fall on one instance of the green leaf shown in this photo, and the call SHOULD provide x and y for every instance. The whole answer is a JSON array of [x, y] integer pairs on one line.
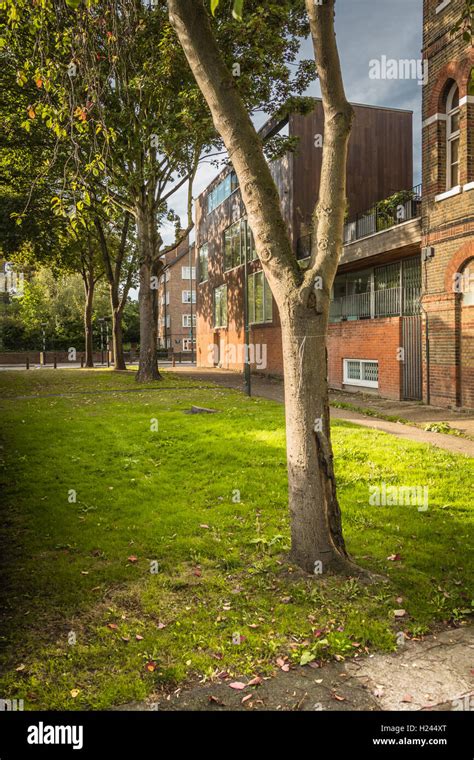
[[238, 9], [214, 4], [307, 657]]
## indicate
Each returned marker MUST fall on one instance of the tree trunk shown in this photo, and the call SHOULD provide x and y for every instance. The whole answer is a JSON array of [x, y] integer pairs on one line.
[[316, 527], [89, 291], [303, 306], [117, 338], [148, 302]]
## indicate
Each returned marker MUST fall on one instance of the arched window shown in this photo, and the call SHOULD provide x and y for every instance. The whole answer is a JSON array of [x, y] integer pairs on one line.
[[452, 136]]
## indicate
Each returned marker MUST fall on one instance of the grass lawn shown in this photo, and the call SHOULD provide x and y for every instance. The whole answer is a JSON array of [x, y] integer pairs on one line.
[[157, 568]]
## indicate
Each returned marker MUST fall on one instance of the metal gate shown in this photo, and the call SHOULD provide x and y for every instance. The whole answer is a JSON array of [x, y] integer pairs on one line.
[[412, 372]]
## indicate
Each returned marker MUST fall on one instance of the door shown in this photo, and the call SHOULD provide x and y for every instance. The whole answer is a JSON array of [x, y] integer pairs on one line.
[[412, 372]]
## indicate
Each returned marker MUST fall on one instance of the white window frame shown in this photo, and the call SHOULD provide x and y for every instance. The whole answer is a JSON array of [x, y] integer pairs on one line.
[[451, 136], [186, 296], [185, 273], [186, 321], [188, 342], [361, 383]]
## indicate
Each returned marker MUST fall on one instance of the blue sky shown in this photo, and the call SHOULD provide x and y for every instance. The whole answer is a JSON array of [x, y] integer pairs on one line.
[[366, 30]]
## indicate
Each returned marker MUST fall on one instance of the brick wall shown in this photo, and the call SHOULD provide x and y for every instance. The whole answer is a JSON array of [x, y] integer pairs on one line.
[[173, 288], [448, 223], [376, 339]]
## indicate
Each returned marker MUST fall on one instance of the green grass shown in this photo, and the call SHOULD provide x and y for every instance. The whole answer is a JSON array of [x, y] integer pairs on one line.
[[170, 497]]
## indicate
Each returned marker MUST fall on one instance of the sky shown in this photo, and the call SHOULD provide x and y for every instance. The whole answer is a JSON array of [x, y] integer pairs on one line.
[[366, 30]]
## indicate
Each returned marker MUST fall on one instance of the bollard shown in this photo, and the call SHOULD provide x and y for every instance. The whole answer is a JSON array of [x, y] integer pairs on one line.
[[27, 361], [55, 364], [173, 360], [82, 361]]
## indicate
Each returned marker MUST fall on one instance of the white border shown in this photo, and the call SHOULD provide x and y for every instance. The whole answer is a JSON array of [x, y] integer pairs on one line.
[[361, 383]]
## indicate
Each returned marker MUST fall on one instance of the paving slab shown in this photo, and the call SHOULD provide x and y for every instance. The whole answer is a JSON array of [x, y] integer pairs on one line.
[[432, 674]]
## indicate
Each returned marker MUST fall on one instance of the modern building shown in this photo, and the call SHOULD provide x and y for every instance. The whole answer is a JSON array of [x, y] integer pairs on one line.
[[402, 311], [379, 163], [177, 300]]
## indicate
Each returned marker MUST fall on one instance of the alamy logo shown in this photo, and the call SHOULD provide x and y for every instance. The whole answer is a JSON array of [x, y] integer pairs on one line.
[[404, 68], [42, 734], [399, 496]]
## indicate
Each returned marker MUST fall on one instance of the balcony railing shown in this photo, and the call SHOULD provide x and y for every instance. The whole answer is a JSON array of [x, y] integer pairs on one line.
[[385, 215], [390, 302]]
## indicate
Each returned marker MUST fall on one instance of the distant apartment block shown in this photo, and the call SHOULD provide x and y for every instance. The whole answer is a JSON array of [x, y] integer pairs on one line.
[[177, 301]]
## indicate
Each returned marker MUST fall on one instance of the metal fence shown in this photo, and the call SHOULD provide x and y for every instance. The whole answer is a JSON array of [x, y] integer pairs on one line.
[[380, 218], [390, 302]]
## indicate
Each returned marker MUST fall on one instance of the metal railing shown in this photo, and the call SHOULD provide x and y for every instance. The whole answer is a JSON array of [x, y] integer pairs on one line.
[[380, 218], [390, 302]]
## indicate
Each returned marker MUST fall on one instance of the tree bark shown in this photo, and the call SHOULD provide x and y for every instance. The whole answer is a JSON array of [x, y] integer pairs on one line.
[[117, 337], [303, 304], [89, 285], [148, 299]]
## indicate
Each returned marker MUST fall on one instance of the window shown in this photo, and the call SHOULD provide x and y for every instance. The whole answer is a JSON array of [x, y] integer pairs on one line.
[[187, 320], [220, 306], [363, 372], [260, 299], [185, 273], [233, 246], [186, 296], [165, 299], [452, 135], [188, 344], [203, 262], [223, 190], [165, 321]]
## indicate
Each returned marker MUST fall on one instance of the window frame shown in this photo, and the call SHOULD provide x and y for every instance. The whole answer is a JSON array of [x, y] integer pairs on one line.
[[452, 137], [267, 299], [200, 261], [360, 383], [221, 324]]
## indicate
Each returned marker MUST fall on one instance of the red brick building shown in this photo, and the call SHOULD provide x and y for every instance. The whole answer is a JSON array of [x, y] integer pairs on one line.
[[401, 320], [177, 301], [448, 209]]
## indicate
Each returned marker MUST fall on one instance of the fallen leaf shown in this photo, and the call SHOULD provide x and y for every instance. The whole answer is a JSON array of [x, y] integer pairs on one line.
[[112, 626], [20, 667], [126, 639], [74, 693], [399, 613], [138, 637], [339, 699], [197, 571], [407, 698], [204, 526], [255, 681], [132, 558], [244, 699], [394, 558], [160, 626], [237, 685], [151, 666]]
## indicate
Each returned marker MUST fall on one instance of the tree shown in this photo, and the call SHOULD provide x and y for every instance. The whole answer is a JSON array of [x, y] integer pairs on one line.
[[302, 297], [118, 90], [119, 255]]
